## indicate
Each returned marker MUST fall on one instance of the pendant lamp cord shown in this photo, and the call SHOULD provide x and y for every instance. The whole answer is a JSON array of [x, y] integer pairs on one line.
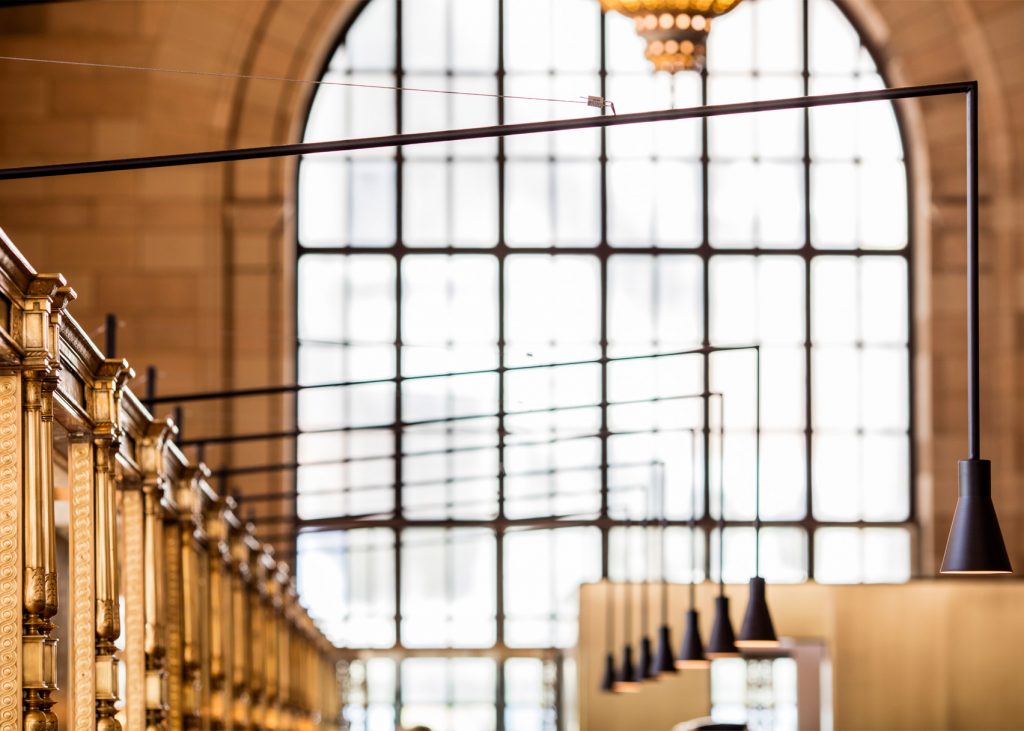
[[721, 495], [757, 464], [660, 481], [625, 589], [645, 606], [693, 519], [973, 322], [609, 628]]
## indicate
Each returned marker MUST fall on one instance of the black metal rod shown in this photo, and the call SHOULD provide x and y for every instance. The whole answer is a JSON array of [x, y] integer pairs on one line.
[[111, 335], [475, 133], [693, 517], [150, 387], [335, 523], [291, 434], [757, 464], [663, 526], [973, 316], [295, 387], [283, 466], [721, 495]]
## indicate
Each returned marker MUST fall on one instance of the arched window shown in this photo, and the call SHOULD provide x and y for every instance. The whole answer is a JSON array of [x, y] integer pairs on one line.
[[440, 501]]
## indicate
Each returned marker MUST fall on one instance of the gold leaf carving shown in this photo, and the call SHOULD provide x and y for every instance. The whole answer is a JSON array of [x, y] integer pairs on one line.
[[134, 579], [83, 629], [10, 557]]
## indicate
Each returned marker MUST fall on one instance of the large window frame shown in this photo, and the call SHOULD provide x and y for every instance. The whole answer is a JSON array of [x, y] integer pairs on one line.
[[605, 522]]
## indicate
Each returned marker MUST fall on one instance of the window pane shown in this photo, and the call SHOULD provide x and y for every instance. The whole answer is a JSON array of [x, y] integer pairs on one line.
[[448, 587], [543, 572], [869, 555], [449, 313], [654, 304], [783, 555], [529, 702], [675, 551], [346, 578], [449, 693], [552, 309]]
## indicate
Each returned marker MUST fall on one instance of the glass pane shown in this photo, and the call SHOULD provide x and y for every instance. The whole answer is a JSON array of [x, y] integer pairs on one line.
[[552, 309], [543, 571], [449, 314], [654, 203], [654, 304], [448, 587], [552, 205], [345, 300], [674, 551], [783, 555], [528, 700], [346, 579], [449, 693], [869, 555], [757, 299]]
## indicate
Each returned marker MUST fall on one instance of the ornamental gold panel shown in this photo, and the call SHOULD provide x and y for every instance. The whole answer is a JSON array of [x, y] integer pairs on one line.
[[213, 635]]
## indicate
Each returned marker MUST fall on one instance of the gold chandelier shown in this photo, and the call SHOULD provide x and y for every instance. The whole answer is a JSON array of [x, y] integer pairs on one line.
[[676, 31]]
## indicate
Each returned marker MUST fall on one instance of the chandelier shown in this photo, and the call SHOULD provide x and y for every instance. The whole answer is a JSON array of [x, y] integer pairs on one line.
[[676, 31]]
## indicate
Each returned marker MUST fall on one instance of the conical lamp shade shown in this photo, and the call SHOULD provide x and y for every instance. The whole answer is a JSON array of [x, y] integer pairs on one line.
[[625, 681], [664, 662], [644, 666], [691, 654], [722, 642], [757, 630], [975, 544], [608, 680]]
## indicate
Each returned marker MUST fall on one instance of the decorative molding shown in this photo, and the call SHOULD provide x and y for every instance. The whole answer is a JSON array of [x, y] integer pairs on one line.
[[134, 619], [83, 607], [10, 553], [173, 619]]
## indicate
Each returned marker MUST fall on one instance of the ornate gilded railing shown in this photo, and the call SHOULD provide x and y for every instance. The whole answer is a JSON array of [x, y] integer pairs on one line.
[[169, 594]]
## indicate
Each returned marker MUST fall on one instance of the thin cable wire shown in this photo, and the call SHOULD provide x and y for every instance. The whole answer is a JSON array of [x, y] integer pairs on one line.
[[721, 495], [626, 613], [610, 618], [693, 521], [592, 101], [661, 549], [757, 466], [646, 588]]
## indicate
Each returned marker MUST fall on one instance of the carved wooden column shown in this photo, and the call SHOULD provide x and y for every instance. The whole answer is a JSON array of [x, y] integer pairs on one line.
[[241, 623], [191, 541], [219, 562], [270, 594], [285, 618], [257, 630], [104, 401], [44, 301], [154, 490]]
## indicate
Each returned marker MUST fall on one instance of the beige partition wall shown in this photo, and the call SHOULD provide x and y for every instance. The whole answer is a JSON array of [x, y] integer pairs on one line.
[[940, 655]]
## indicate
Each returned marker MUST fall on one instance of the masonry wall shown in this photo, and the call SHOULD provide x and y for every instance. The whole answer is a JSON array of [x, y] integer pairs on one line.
[[197, 262]]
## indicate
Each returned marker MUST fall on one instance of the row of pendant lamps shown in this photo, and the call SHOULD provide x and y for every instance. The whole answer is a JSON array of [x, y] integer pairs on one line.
[[756, 632]]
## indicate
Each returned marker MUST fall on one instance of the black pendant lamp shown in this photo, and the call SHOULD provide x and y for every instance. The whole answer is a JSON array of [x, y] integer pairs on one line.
[[691, 654], [722, 642], [608, 679], [627, 679], [664, 661], [975, 544], [757, 630]]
